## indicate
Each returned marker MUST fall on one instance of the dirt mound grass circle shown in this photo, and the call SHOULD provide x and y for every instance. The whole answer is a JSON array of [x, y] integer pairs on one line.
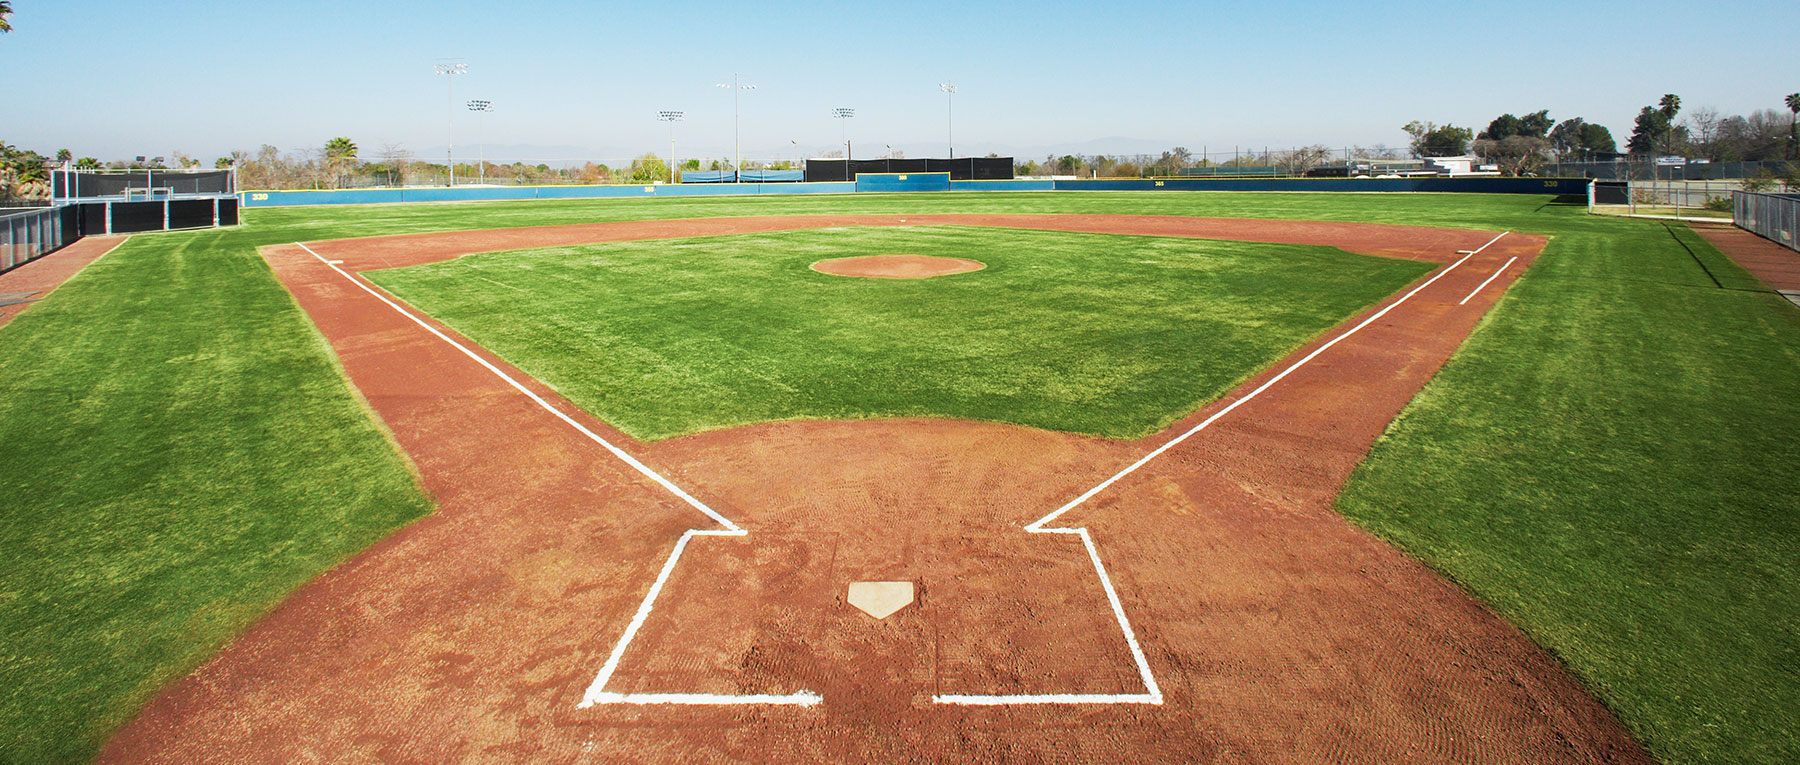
[[897, 266]]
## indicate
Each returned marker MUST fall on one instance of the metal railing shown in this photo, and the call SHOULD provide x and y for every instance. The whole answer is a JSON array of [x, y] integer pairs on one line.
[[1775, 217], [27, 236]]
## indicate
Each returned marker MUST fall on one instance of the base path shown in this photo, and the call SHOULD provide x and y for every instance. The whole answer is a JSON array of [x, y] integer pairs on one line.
[[31, 282], [1275, 630]]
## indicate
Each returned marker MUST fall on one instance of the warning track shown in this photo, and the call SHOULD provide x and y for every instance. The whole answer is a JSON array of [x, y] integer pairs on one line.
[[1276, 630]]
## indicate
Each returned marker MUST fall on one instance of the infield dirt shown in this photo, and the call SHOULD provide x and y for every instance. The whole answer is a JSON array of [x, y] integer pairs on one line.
[[1278, 631]]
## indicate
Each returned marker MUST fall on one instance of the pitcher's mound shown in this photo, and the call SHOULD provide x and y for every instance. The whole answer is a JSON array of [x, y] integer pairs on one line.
[[896, 266]]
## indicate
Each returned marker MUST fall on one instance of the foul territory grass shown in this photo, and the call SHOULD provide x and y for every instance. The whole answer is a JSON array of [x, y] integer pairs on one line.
[[1606, 461], [177, 453], [1108, 335]]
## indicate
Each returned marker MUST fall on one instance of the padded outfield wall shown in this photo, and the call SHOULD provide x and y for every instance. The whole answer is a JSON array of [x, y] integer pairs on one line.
[[1576, 186]]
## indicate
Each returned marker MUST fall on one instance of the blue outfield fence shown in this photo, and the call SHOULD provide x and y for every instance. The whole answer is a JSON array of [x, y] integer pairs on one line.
[[892, 182], [878, 182]]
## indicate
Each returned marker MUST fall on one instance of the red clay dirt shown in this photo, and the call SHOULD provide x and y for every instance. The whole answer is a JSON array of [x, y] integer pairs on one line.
[[42, 276], [1775, 265], [897, 266], [1278, 631]]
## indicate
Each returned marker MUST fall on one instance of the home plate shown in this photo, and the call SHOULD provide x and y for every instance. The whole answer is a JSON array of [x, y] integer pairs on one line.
[[881, 599]]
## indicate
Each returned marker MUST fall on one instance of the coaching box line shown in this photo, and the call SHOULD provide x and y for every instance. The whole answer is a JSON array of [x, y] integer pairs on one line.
[[596, 693]]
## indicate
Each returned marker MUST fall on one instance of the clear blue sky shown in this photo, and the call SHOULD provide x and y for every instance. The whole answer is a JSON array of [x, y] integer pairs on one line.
[[114, 79]]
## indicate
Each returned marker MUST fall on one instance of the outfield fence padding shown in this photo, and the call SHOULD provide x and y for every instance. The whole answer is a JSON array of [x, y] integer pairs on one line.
[[1775, 217], [1555, 186]]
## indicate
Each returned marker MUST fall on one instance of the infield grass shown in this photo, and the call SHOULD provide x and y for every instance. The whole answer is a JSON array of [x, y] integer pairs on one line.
[[1608, 462], [1089, 333]]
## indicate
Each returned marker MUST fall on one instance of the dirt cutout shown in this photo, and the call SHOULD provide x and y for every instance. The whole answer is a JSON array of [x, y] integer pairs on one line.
[[1277, 631], [897, 266]]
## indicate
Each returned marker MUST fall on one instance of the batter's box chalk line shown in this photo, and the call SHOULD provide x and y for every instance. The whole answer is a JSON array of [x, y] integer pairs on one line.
[[597, 693]]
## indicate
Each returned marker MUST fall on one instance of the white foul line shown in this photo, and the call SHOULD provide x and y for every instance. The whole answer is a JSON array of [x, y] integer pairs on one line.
[[595, 693], [595, 437], [1489, 279], [1152, 694], [1086, 495]]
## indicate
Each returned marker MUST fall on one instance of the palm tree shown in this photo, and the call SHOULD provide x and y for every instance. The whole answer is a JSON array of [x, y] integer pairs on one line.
[[1793, 105], [5, 15], [339, 152]]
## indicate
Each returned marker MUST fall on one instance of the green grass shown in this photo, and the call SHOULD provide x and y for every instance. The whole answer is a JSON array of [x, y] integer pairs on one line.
[[179, 454], [1608, 462], [1107, 335]]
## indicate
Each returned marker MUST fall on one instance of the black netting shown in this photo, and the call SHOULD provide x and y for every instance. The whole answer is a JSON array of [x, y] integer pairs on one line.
[[80, 185], [960, 169]]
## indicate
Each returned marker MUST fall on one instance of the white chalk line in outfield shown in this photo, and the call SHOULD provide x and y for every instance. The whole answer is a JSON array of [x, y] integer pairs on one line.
[[596, 693], [1484, 283]]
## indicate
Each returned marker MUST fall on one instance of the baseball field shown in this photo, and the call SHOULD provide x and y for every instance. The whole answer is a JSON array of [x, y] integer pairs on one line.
[[1169, 477]]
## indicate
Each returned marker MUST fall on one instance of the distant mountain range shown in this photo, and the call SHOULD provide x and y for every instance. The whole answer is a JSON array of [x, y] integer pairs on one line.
[[567, 155]]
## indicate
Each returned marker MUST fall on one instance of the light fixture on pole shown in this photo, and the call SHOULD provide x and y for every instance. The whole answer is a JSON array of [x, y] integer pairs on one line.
[[450, 69], [843, 115], [671, 117], [949, 114], [736, 161], [482, 107]]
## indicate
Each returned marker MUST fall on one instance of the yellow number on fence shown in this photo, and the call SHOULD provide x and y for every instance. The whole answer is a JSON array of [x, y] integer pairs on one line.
[[1159, 183], [259, 197]]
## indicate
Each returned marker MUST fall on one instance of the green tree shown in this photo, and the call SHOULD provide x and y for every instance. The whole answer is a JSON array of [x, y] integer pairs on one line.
[[64, 155], [1534, 125], [649, 169], [1651, 124], [5, 16], [340, 149], [1429, 140], [222, 163], [88, 163]]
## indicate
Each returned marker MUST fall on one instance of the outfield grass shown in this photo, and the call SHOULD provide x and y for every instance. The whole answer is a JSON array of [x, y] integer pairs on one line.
[[1603, 463], [1089, 333]]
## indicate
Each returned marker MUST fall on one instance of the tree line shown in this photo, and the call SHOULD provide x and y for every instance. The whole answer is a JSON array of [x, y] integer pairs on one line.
[[1518, 145]]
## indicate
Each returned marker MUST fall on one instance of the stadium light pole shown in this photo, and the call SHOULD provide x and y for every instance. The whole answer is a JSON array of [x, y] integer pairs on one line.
[[736, 89], [450, 69], [671, 117], [949, 89], [481, 108], [843, 115]]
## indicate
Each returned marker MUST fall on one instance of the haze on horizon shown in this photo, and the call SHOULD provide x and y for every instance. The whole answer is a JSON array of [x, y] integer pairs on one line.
[[573, 80]]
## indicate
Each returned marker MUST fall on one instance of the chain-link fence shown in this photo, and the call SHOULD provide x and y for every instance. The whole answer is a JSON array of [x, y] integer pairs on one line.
[[1775, 217], [29, 235], [1646, 169]]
